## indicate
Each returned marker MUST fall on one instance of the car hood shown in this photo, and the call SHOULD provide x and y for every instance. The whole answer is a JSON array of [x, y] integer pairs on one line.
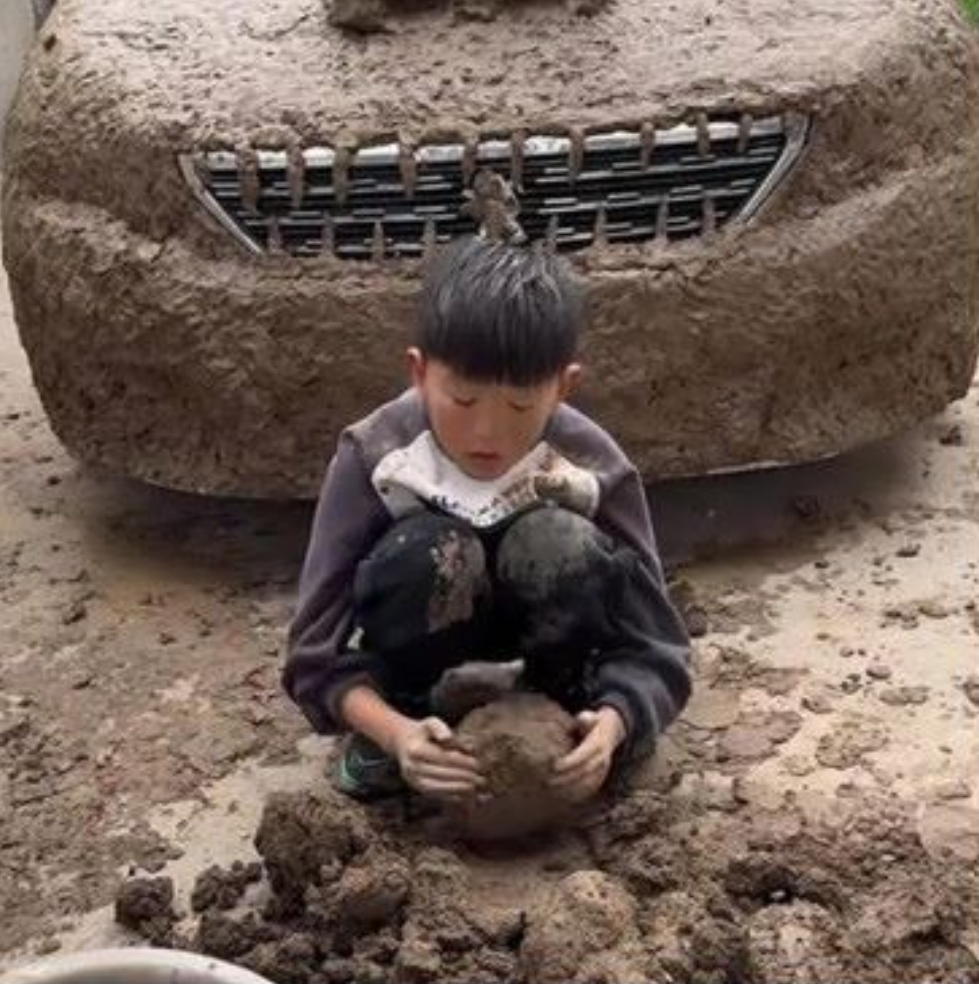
[[232, 73], [115, 90]]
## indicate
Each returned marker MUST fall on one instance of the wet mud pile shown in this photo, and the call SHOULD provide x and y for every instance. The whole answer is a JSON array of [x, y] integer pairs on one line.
[[654, 886]]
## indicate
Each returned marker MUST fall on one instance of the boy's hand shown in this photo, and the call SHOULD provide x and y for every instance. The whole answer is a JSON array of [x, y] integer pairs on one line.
[[432, 764], [581, 773]]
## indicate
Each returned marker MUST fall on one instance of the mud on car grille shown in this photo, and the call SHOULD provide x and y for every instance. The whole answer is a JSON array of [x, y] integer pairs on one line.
[[392, 200]]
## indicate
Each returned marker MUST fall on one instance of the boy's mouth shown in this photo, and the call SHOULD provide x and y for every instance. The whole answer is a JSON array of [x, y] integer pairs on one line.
[[485, 460]]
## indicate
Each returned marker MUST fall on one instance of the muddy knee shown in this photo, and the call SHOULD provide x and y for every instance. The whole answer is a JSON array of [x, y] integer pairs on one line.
[[425, 574], [547, 551]]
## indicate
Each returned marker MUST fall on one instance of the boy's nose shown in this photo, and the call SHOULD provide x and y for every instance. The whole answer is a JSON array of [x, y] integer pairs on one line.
[[485, 428]]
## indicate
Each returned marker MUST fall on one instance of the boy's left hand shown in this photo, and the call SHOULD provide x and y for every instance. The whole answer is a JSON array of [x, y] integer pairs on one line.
[[582, 772]]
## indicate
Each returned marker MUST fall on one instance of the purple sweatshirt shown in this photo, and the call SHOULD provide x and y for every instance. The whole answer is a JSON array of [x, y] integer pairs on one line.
[[388, 465]]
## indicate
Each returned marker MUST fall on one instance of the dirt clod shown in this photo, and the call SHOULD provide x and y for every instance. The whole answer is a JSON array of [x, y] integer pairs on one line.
[[230, 937], [588, 915], [300, 834], [145, 905], [221, 888], [794, 944], [904, 696], [292, 960], [372, 889]]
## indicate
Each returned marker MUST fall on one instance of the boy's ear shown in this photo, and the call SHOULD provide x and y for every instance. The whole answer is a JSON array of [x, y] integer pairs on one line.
[[416, 366], [570, 377]]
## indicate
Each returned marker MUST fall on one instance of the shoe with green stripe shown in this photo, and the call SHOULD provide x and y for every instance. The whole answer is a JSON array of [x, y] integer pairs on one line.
[[366, 772]]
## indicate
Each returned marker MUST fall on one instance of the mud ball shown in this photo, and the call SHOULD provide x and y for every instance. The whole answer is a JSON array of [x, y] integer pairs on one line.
[[516, 741]]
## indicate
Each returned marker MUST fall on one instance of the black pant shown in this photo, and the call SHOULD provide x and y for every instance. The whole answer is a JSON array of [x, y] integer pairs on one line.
[[549, 588]]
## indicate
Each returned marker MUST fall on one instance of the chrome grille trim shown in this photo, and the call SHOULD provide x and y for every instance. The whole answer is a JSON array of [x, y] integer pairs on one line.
[[392, 200]]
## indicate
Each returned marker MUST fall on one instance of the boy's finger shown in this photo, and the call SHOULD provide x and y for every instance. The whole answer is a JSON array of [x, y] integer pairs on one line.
[[437, 755], [582, 774], [573, 759], [583, 783], [443, 787], [588, 767], [427, 771], [438, 730]]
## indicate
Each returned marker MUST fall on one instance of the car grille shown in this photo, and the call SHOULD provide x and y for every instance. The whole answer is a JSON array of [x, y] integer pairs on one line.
[[391, 200]]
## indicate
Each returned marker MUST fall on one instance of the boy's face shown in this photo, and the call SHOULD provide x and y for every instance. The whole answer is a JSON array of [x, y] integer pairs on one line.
[[486, 428]]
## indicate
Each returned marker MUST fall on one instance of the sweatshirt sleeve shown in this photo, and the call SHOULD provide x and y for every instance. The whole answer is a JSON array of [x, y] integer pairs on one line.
[[624, 515], [320, 666], [647, 678]]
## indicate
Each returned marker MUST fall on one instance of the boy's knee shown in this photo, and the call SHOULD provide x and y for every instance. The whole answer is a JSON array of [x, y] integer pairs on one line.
[[424, 547], [425, 574], [547, 549]]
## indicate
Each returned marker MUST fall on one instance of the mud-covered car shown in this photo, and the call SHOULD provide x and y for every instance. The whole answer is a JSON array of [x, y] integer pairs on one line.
[[215, 216]]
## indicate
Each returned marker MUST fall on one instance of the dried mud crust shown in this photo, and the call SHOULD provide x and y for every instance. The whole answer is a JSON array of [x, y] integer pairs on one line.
[[653, 887]]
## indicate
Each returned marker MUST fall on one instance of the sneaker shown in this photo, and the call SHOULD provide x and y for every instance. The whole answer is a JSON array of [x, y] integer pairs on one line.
[[365, 772]]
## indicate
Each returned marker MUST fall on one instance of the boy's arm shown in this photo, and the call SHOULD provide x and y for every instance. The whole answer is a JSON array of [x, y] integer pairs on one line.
[[320, 668], [364, 710], [648, 680]]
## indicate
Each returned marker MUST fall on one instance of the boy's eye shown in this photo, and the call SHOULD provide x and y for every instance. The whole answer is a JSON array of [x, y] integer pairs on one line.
[[522, 407], [460, 401]]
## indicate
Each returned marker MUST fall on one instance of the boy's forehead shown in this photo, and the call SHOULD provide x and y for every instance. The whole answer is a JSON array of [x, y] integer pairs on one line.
[[452, 376]]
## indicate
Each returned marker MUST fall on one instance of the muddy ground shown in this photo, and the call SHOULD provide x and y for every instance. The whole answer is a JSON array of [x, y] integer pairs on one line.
[[814, 816]]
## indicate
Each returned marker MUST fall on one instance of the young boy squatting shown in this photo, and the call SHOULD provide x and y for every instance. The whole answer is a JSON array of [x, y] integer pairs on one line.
[[479, 517]]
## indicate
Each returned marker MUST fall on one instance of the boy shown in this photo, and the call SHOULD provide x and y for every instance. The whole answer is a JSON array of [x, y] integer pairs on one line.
[[478, 517]]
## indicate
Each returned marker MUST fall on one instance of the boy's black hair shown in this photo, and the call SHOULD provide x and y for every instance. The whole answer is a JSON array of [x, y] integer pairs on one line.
[[500, 313]]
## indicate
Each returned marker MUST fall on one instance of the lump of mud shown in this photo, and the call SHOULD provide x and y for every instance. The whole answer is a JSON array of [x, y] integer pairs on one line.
[[794, 944], [294, 959], [588, 920], [903, 913], [437, 918], [372, 892], [690, 937], [516, 741], [230, 937], [369, 893], [145, 905], [221, 888], [300, 835]]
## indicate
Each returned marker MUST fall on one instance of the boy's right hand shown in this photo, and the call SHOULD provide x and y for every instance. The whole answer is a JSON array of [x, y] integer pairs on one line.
[[432, 764]]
